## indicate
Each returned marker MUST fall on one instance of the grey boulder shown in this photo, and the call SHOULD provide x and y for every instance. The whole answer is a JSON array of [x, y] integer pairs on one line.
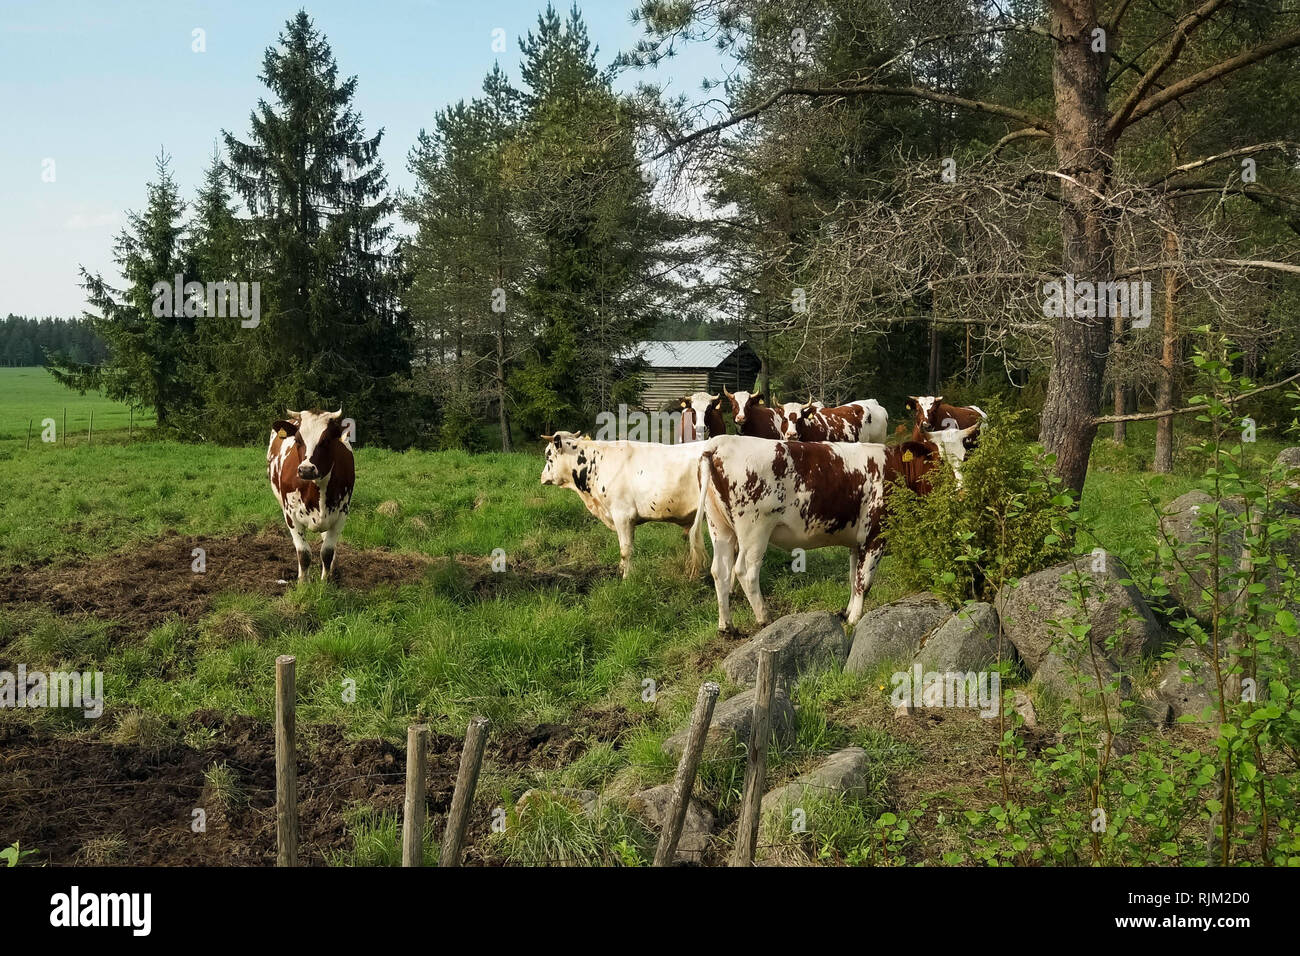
[[652, 806], [731, 724], [966, 641], [1112, 608], [843, 772], [894, 632], [802, 642]]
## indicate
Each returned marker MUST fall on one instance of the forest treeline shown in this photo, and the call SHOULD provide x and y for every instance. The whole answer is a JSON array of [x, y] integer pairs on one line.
[[28, 341]]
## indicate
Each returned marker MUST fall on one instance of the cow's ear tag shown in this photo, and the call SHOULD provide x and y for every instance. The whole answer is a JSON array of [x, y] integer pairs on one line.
[[907, 456], [282, 433], [761, 402]]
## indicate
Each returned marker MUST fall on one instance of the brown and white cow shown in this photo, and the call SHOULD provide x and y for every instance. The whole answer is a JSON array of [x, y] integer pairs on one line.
[[753, 416], [931, 414], [798, 495], [954, 428], [862, 421], [701, 417], [626, 483], [309, 462]]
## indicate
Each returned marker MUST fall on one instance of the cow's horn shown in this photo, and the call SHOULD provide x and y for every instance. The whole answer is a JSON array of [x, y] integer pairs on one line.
[[545, 437], [727, 393], [338, 414]]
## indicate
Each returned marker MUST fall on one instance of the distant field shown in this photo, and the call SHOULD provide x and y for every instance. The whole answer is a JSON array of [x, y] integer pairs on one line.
[[32, 395]]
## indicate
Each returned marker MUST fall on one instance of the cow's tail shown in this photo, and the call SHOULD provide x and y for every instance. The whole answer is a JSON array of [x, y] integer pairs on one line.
[[699, 556]]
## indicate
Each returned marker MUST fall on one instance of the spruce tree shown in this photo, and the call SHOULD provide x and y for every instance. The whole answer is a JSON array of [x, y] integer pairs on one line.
[[315, 192]]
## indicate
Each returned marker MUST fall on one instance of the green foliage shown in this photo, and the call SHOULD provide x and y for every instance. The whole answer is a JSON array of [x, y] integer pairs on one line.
[[1231, 796], [552, 829], [14, 854], [959, 543]]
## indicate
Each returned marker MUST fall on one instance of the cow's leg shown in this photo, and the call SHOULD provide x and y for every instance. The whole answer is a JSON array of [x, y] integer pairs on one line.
[[853, 577], [625, 528], [749, 562], [724, 561], [868, 556], [329, 540], [304, 551]]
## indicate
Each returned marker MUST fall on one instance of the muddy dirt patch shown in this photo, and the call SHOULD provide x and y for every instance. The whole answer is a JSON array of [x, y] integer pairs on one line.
[[141, 587], [80, 800], [550, 746]]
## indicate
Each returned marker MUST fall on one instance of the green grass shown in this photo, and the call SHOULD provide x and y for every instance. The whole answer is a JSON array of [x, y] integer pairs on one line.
[[32, 395]]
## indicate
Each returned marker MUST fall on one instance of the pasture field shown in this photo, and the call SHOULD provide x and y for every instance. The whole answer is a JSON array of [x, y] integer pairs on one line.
[[97, 546], [29, 395]]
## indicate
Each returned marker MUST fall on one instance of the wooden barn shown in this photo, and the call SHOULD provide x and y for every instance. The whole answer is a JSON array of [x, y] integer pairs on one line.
[[674, 369]]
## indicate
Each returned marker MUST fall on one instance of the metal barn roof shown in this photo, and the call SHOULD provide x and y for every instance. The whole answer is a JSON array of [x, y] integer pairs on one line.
[[708, 353]]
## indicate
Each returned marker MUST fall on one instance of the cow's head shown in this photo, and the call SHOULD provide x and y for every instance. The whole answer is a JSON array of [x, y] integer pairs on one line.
[[742, 403], [925, 411], [792, 413], [315, 434], [565, 460], [954, 444], [694, 407]]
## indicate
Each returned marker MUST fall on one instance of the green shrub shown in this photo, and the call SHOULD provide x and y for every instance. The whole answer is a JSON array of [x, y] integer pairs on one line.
[[961, 543]]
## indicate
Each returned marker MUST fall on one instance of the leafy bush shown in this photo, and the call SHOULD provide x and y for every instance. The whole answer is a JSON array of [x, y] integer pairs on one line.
[[960, 543], [1223, 791]]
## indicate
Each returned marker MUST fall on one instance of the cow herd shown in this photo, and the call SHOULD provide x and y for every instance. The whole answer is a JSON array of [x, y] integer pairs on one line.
[[798, 475]]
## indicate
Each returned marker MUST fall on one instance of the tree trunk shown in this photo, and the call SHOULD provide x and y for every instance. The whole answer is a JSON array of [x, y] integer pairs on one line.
[[1080, 343], [934, 359], [1166, 397], [1119, 430], [503, 415]]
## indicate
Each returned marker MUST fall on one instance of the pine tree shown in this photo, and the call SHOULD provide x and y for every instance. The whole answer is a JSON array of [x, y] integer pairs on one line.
[[585, 199], [315, 192]]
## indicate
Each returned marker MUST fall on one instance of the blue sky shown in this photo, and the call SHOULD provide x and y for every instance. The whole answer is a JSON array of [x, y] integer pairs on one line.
[[98, 87]]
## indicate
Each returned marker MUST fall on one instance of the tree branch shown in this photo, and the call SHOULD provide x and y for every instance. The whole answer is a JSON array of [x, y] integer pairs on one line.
[[1197, 80], [1182, 31], [863, 89], [1280, 144], [1170, 412], [1287, 267]]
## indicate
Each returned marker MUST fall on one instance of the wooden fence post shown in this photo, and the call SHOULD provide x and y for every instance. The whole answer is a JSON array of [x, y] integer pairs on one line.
[[29, 435], [286, 763], [417, 768], [90, 431], [471, 760], [760, 731], [130, 423], [65, 426], [684, 781]]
